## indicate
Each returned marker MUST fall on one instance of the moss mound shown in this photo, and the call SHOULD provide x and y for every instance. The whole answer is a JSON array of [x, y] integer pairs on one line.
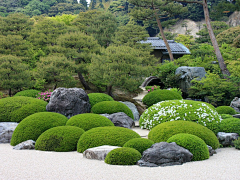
[[111, 135], [164, 131], [160, 95], [123, 156], [34, 125], [230, 125], [187, 110], [60, 139], [111, 107], [88, 121], [29, 93], [95, 98], [225, 110], [24, 106], [225, 116], [139, 144]]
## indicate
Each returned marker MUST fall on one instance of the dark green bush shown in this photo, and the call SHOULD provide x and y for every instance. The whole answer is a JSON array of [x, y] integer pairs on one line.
[[111, 135], [123, 156], [225, 110], [34, 125], [29, 93], [160, 95], [193, 143], [95, 98], [60, 139], [225, 116], [88, 121], [111, 107], [230, 125], [140, 144], [164, 131], [237, 143]]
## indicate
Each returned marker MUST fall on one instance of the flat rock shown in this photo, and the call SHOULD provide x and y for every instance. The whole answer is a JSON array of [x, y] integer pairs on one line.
[[29, 144], [6, 131], [226, 139], [133, 108]]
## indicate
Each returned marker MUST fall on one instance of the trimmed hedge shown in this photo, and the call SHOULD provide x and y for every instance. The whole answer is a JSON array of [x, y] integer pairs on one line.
[[95, 98], [193, 143], [225, 116], [187, 110], [230, 125], [34, 125], [164, 131], [225, 110], [28, 93], [88, 121], [111, 135], [140, 144], [60, 139], [160, 95], [123, 156], [111, 107]]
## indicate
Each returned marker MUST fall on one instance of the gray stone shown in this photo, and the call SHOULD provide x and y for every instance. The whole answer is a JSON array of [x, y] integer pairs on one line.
[[133, 108], [226, 139], [99, 152], [29, 144], [69, 102], [120, 119], [211, 150], [236, 116], [165, 154], [6, 131], [235, 104]]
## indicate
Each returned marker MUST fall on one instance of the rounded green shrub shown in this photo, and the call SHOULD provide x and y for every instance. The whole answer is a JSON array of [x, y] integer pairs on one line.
[[140, 144], [123, 156], [225, 110], [160, 95], [225, 116], [193, 143], [29, 93], [230, 125], [110, 135], [164, 131], [95, 98], [111, 107], [60, 139], [11, 104], [88, 121], [187, 110], [34, 125]]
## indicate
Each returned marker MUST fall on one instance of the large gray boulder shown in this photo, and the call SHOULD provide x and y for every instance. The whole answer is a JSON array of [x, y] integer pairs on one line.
[[6, 131], [29, 144], [165, 154], [133, 108], [69, 102], [226, 139], [235, 104]]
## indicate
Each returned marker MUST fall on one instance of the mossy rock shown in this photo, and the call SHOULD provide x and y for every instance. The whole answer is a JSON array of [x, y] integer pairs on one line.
[[110, 135], [164, 131], [34, 125], [28, 93], [225, 116], [60, 139], [160, 95], [123, 156], [230, 125], [140, 144], [187, 110], [88, 121], [111, 107], [95, 98], [225, 110]]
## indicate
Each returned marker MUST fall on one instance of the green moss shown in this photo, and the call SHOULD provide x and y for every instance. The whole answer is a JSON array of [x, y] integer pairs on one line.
[[34, 125], [164, 131], [111, 107], [111, 135], [60, 139], [225, 116], [225, 110], [230, 125], [88, 121], [140, 144], [95, 98], [123, 156], [160, 95], [28, 93]]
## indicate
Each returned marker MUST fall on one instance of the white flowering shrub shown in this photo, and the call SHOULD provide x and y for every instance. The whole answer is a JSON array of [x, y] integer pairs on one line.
[[187, 110]]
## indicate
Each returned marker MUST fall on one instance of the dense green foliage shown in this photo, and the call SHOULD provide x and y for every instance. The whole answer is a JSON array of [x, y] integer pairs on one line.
[[228, 35], [29, 93], [237, 143], [225, 116], [164, 131], [225, 110], [112, 135], [140, 144], [230, 125], [95, 98]]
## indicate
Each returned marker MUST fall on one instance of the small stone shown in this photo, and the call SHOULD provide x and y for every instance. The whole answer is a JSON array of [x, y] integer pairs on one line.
[[29, 144]]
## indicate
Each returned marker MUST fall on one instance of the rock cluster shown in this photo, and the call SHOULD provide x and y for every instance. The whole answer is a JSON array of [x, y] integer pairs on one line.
[[226, 139], [6, 131]]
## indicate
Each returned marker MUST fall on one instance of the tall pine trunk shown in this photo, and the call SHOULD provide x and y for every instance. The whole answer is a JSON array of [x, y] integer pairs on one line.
[[84, 83]]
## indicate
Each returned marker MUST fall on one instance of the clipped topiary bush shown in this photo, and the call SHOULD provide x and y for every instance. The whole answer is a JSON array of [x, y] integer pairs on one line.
[[193, 143], [160, 95], [230, 125], [111, 135], [225, 116], [60, 139], [29, 93], [187, 110], [34, 125], [140, 144], [95, 98], [111, 107], [88, 121], [164, 131], [123, 156], [225, 110]]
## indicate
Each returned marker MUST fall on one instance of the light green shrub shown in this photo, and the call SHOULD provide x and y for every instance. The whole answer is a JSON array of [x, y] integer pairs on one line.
[[230, 125], [140, 144], [28, 93], [225, 110], [95, 98], [225, 116]]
